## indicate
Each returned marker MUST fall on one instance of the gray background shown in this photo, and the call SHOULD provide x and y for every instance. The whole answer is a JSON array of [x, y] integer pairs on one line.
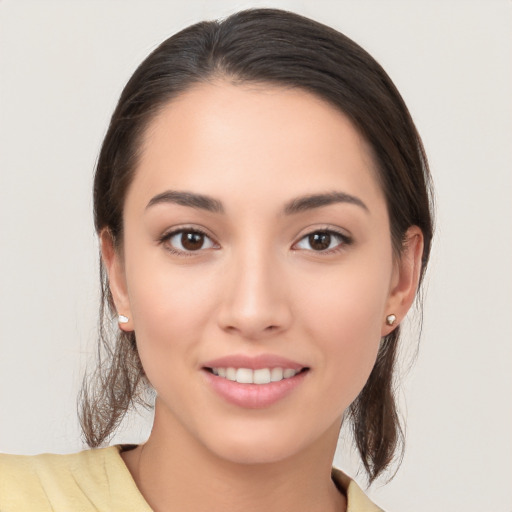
[[62, 67]]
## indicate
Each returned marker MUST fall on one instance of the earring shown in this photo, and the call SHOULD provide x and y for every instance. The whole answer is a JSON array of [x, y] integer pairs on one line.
[[122, 319], [390, 319]]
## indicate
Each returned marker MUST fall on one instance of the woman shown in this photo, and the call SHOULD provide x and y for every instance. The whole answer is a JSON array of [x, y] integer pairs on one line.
[[262, 203]]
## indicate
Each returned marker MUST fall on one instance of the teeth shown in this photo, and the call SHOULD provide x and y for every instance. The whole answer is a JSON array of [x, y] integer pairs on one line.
[[276, 374], [244, 376], [288, 373], [260, 376]]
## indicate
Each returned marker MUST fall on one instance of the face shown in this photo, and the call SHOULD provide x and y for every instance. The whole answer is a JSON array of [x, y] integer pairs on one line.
[[257, 269]]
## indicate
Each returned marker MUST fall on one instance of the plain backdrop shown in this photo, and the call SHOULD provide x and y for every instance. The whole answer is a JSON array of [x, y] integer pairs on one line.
[[62, 67]]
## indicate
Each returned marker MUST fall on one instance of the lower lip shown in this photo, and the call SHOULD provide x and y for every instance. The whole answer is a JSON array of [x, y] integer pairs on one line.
[[253, 396]]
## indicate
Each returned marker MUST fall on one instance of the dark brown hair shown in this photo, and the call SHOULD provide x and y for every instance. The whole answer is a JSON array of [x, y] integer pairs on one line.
[[284, 49]]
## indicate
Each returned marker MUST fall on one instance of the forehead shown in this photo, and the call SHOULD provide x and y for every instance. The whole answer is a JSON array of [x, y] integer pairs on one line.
[[253, 138]]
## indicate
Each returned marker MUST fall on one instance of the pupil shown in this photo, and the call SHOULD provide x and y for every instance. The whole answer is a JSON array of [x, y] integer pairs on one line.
[[192, 241], [320, 241]]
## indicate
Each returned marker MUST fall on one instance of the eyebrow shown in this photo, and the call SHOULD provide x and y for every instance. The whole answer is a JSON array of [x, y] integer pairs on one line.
[[189, 199], [297, 205], [301, 204]]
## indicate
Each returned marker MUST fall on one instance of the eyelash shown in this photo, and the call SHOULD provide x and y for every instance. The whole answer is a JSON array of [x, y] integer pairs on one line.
[[166, 237], [344, 241]]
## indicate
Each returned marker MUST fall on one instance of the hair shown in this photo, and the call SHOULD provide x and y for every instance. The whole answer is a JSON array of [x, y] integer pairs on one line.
[[280, 48]]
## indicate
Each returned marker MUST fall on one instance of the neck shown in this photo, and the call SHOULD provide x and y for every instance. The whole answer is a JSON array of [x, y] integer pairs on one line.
[[172, 467]]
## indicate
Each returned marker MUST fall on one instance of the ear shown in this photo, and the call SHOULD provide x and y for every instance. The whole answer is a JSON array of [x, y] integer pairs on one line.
[[112, 260], [406, 276]]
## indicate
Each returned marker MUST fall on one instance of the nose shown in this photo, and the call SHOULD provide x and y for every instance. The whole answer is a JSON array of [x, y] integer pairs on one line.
[[254, 302]]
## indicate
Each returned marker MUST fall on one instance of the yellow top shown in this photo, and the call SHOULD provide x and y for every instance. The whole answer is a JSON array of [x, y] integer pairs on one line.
[[94, 481]]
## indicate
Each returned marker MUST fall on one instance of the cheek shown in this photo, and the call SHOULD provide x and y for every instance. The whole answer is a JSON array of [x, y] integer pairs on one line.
[[348, 301], [343, 313], [170, 309]]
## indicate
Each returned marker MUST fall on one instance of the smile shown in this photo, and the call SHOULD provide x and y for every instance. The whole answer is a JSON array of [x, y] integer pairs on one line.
[[259, 376], [254, 388]]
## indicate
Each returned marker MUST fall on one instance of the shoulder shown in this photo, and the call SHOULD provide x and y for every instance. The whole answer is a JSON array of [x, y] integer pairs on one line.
[[91, 480], [357, 501]]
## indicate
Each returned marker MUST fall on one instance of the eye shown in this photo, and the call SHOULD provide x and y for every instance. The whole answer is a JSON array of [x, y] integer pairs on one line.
[[322, 241], [187, 240]]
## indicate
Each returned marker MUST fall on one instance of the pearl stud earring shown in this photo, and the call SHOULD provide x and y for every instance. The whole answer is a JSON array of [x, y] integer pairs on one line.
[[122, 319], [390, 319]]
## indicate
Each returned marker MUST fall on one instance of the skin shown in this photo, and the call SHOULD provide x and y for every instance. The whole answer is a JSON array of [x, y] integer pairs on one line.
[[257, 286]]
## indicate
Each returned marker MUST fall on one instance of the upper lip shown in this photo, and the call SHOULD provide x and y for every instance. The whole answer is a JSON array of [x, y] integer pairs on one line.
[[253, 362]]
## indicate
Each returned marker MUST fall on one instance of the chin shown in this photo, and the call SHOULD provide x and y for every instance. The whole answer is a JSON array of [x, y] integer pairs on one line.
[[249, 452], [260, 445]]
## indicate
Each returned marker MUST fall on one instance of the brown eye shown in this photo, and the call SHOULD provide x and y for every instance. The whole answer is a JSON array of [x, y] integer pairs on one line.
[[323, 241], [319, 241], [188, 241], [192, 241]]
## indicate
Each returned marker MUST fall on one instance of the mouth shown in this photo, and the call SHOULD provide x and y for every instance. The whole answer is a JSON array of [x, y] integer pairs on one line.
[[257, 376]]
